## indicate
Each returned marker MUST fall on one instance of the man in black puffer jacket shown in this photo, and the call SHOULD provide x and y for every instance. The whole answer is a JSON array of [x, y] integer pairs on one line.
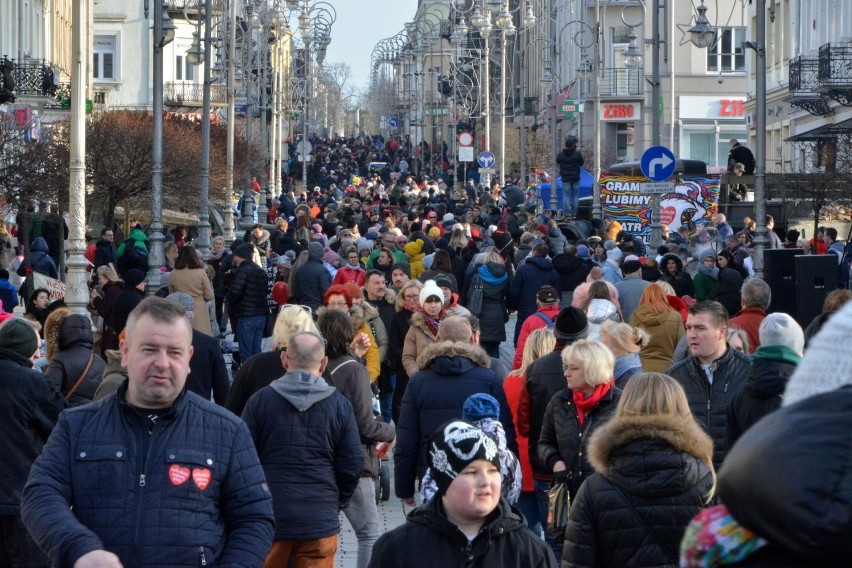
[[153, 475], [713, 373], [247, 298], [29, 408], [308, 443], [312, 279]]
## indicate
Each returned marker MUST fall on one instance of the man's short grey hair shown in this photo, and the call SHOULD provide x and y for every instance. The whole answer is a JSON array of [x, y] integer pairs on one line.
[[756, 293], [455, 328], [305, 351]]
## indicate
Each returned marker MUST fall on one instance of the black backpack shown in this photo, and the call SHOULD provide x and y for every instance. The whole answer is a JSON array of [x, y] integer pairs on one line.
[[133, 257]]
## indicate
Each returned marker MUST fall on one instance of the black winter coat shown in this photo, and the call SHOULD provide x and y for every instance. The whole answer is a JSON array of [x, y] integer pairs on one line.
[[104, 254], [709, 403], [545, 378], [428, 539], [352, 380], [727, 290], [572, 270], [208, 374], [494, 315], [451, 372], [258, 372], [125, 303], [761, 395], [311, 456], [247, 292], [191, 491], [681, 281], [29, 408], [788, 479], [563, 438], [661, 467], [310, 284], [74, 346], [569, 162], [536, 272]]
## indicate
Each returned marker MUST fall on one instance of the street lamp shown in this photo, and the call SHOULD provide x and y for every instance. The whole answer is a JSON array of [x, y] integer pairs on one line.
[[163, 35], [702, 34]]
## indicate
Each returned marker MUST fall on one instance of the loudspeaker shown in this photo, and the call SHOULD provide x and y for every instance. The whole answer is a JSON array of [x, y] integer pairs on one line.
[[816, 276], [779, 271]]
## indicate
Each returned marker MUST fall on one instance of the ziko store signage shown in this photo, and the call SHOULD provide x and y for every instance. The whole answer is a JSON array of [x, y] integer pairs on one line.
[[620, 112], [694, 199]]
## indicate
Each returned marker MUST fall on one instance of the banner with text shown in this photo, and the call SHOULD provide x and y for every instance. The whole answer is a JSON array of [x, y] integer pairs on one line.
[[694, 199], [55, 287]]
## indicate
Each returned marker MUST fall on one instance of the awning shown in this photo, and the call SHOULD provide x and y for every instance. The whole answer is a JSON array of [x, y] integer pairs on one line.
[[824, 132]]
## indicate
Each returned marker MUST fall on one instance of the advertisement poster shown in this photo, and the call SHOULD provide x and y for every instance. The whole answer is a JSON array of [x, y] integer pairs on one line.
[[694, 199]]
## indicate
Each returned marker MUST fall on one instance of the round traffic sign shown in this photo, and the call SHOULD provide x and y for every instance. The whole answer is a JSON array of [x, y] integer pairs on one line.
[[465, 139]]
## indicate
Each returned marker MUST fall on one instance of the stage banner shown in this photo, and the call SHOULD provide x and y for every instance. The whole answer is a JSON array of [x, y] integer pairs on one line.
[[695, 199]]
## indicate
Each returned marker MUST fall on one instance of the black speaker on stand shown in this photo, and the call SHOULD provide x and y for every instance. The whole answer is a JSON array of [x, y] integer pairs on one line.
[[816, 276], [779, 271]]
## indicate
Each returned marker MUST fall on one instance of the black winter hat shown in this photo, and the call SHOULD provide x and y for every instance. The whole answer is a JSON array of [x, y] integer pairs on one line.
[[454, 446], [244, 251], [571, 325]]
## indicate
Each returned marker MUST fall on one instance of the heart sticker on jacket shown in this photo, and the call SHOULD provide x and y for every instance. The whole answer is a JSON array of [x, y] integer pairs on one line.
[[178, 474], [201, 477]]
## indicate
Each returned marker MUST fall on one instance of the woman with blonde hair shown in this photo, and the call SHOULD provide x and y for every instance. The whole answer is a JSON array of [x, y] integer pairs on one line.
[[538, 344], [653, 472], [664, 325], [625, 342], [263, 368], [7, 251], [587, 402]]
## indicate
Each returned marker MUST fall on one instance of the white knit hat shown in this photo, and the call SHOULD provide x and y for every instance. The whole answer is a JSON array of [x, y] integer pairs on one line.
[[826, 366], [430, 289], [781, 329]]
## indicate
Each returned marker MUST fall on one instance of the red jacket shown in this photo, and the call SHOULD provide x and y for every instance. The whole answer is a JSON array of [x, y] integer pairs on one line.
[[347, 274], [749, 320], [531, 324], [512, 386]]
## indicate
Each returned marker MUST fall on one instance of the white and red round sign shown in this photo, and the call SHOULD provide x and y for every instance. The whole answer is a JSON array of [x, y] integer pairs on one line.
[[465, 139]]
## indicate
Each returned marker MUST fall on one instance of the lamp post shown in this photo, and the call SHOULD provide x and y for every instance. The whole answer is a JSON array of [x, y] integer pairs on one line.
[[163, 34], [203, 240], [228, 229], [76, 294]]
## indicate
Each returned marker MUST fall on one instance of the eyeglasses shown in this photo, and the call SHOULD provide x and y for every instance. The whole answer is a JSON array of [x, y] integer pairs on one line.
[[337, 305], [410, 297]]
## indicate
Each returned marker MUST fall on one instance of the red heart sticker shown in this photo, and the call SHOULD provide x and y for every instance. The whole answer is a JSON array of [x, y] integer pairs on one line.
[[201, 477], [667, 214], [178, 474]]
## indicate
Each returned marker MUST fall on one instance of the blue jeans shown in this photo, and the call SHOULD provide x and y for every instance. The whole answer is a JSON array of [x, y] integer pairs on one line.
[[250, 335], [491, 347], [541, 489], [571, 203], [386, 401]]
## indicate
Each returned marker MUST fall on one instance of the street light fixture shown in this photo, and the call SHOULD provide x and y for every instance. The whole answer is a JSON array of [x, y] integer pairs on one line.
[[702, 35], [632, 56], [195, 53]]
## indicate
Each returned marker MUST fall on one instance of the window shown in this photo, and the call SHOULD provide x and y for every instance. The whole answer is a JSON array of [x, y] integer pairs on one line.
[[727, 54], [184, 70], [104, 58]]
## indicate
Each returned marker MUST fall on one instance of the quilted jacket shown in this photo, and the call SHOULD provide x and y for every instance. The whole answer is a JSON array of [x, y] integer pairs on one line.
[[190, 493]]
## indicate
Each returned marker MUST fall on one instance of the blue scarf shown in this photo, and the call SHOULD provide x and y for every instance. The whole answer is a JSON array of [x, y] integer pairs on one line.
[[625, 363], [489, 278]]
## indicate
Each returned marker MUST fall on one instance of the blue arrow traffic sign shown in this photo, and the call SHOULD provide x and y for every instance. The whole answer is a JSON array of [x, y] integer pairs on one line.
[[657, 163], [486, 159], [392, 122]]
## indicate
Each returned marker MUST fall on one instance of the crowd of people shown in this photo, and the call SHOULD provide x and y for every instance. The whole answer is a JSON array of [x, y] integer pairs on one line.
[[371, 312]]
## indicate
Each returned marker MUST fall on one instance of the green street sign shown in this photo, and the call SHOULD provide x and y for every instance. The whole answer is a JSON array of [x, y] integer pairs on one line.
[[569, 108], [89, 106]]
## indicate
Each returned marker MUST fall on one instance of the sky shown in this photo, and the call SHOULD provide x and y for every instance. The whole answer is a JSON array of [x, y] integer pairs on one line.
[[359, 26]]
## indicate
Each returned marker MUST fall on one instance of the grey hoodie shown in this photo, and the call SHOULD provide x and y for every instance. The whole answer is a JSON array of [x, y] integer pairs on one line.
[[302, 389]]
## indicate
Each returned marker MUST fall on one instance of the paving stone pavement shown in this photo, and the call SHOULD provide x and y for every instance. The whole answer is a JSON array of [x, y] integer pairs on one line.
[[391, 514]]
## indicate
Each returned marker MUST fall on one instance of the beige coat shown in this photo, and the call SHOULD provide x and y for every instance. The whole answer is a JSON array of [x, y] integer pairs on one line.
[[666, 329], [194, 281], [416, 340]]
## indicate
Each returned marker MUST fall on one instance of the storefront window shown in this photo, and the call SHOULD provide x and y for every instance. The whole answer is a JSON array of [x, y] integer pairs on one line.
[[624, 142]]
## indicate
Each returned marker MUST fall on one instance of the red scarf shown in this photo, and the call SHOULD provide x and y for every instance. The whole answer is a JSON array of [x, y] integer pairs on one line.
[[585, 405], [432, 323]]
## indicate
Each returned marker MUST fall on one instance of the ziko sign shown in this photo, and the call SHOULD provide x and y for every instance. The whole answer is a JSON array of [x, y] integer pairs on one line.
[[693, 199], [619, 112]]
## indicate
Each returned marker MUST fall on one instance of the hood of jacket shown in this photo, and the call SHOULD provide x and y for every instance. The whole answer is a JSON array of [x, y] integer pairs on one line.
[[645, 454], [452, 357], [540, 262], [138, 235], [493, 273], [39, 245], [566, 263], [666, 258], [600, 310], [74, 330], [646, 317], [302, 389], [362, 313]]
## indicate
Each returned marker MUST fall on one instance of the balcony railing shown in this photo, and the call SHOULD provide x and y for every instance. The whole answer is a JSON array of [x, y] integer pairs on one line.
[[188, 94], [803, 81], [616, 82], [28, 79], [834, 73], [194, 5]]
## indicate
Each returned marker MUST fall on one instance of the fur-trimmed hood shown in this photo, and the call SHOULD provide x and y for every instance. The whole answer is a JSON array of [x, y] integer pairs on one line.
[[362, 313], [64, 330], [418, 322], [652, 454], [452, 350]]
